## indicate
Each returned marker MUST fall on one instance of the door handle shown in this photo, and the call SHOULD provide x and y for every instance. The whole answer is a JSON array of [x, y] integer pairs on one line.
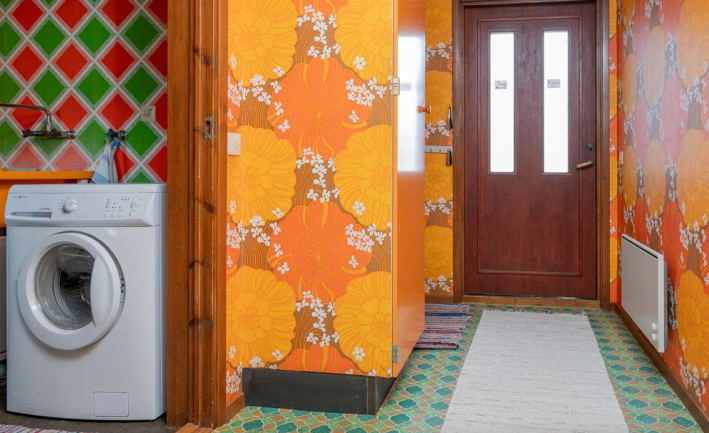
[[585, 164]]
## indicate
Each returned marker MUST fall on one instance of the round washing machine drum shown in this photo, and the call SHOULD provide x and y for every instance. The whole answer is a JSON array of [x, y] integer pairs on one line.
[[70, 291]]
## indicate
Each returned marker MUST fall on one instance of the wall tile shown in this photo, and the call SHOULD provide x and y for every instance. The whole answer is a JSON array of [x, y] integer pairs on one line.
[[94, 63]]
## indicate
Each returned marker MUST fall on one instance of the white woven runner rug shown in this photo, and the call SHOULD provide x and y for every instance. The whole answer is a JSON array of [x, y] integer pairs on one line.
[[534, 372]]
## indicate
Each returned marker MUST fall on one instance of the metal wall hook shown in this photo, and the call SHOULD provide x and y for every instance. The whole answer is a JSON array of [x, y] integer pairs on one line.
[[447, 150]]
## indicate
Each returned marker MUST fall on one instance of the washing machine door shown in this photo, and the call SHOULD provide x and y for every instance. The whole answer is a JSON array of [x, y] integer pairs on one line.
[[70, 291]]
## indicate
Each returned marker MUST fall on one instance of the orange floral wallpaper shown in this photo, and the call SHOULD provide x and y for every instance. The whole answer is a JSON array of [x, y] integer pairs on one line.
[[663, 199], [310, 195], [439, 178]]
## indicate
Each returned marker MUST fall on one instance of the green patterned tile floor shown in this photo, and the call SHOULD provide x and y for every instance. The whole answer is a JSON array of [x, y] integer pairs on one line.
[[420, 397]]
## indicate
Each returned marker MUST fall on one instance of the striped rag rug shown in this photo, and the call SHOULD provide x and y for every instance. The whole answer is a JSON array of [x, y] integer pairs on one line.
[[445, 326], [20, 429]]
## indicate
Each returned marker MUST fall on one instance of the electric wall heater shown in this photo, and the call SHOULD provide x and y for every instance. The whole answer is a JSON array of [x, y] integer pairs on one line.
[[643, 292]]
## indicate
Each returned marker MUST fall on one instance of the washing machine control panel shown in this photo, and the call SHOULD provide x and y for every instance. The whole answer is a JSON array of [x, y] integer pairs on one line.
[[86, 205], [104, 207], [138, 209], [124, 207]]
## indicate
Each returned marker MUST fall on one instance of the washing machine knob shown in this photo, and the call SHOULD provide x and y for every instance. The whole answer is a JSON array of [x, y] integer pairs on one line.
[[70, 205]]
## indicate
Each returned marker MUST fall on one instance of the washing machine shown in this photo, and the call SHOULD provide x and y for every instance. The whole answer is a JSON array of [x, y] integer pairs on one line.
[[86, 301]]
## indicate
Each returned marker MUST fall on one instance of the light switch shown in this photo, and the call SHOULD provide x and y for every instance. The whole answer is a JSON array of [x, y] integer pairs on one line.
[[147, 113], [233, 147]]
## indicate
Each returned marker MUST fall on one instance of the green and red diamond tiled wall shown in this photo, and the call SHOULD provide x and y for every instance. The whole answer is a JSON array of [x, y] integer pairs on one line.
[[94, 63]]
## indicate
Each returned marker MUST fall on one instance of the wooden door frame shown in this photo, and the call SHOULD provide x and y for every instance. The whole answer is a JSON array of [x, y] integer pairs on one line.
[[602, 140], [196, 247]]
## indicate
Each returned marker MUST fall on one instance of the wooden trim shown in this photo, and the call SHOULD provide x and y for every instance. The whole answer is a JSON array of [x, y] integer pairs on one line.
[[603, 150], [445, 299], [542, 302], [196, 311], [234, 408], [656, 359], [458, 152], [603, 155], [220, 91], [191, 428], [180, 170]]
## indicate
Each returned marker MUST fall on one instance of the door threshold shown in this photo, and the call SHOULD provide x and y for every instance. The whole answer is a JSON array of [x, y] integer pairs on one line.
[[534, 301]]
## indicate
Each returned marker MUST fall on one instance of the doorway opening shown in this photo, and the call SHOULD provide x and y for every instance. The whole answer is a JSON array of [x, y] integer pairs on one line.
[[531, 187]]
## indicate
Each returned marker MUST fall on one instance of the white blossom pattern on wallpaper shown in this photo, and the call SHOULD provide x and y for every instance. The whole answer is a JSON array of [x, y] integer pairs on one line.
[[438, 177], [310, 196], [663, 52]]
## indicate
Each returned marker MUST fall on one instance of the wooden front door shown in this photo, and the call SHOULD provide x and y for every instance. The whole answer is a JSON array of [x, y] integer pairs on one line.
[[530, 151]]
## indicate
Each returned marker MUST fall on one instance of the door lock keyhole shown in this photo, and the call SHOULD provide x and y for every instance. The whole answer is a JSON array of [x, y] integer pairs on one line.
[[591, 147]]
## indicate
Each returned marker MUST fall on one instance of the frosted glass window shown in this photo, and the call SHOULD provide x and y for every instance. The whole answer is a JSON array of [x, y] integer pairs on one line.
[[556, 101], [502, 102]]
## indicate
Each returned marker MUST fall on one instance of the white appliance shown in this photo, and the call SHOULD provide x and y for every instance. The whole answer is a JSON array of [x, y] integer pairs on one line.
[[644, 293], [86, 301], [3, 298]]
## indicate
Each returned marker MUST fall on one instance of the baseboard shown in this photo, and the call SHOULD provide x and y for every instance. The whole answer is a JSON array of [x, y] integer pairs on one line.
[[234, 408], [316, 392], [656, 359], [191, 428], [541, 302]]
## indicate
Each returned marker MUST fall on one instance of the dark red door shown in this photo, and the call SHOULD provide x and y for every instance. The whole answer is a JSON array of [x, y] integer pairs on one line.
[[530, 178]]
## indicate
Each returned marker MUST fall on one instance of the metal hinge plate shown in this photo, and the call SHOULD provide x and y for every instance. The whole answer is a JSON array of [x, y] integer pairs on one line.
[[396, 86], [395, 353]]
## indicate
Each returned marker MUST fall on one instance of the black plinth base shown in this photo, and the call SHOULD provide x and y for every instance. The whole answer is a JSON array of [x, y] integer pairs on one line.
[[317, 392]]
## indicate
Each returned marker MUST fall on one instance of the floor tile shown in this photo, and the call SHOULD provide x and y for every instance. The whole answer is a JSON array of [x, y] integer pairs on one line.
[[420, 397]]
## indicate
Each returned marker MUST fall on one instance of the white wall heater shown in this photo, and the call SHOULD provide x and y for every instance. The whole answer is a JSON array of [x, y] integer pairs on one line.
[[643, 292]]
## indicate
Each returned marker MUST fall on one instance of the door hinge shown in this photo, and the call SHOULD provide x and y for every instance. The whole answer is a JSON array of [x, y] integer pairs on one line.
[[209, 123], [396, 86], [395, 353]]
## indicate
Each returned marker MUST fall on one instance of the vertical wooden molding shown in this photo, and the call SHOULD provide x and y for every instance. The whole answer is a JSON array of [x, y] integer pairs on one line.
[[458, 153], [180, 89], [603, 153], [220, 88], [197, 213]]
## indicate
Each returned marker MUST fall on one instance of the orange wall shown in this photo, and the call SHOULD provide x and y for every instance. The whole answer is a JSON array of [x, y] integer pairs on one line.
[[439, 178], [310, 197], [663, 50]]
